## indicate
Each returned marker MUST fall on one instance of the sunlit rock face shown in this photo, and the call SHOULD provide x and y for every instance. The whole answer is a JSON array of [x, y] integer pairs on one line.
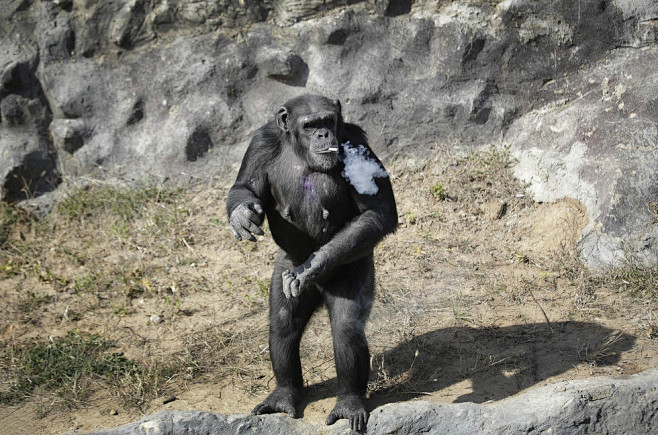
[[170, 90]]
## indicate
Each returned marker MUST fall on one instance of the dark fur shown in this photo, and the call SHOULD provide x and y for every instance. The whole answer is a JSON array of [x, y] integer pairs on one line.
[[327, 232]]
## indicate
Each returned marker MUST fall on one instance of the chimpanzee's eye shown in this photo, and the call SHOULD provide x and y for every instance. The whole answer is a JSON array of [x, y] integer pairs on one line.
[[319, 123]]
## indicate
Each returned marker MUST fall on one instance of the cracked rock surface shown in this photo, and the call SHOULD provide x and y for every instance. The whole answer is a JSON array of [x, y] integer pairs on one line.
[[598, 405], [169, 91]]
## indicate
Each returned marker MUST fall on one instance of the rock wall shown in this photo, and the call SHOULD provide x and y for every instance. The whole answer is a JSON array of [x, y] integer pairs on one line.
[[171, 90], [599, 405]]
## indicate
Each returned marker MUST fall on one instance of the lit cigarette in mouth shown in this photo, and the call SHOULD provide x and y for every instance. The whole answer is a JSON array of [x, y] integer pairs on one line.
[[332, 149]]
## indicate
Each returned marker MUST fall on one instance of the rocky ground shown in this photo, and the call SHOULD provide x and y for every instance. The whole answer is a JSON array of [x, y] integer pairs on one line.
[[598, 405], [480, 296], [521, 138]]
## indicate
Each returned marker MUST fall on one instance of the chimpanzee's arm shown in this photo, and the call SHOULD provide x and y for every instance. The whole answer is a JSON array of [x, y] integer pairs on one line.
[[377, 217], [250, 192]]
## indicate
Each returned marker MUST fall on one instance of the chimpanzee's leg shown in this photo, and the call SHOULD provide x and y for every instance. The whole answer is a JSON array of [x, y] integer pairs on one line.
[[288, 318], [349, 299]]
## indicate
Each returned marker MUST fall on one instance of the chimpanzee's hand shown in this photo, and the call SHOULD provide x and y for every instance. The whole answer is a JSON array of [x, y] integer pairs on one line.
[[295, 281], [246, 219]]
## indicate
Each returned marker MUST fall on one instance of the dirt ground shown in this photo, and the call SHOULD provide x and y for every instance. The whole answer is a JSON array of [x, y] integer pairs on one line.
[[480, 296]]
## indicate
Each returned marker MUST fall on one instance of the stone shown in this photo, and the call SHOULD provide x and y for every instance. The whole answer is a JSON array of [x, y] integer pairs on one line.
[[68, 134], [597, 405], [127, 26], [55, 35], [64, 4], [27, 165], [12, 109], [173, 89], [284, 66], [28, 160], [600, 147]]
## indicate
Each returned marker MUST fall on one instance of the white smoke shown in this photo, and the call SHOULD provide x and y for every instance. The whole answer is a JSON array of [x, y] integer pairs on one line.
[[361, 170]]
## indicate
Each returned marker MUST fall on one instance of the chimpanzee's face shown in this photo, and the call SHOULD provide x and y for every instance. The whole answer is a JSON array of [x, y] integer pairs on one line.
[[313, 125], [317, 135]]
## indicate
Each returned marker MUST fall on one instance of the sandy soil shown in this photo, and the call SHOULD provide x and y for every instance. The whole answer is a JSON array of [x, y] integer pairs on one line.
[[479, 297]]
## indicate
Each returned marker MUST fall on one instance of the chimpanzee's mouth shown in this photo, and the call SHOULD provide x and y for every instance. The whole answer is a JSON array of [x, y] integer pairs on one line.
[[327, 150]]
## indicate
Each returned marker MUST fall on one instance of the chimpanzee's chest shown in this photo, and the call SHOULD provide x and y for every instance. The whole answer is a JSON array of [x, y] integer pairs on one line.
[[316, 203]]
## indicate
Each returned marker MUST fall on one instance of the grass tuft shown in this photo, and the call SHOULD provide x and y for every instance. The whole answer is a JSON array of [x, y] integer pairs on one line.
[[635, 280], [67, 367], [62, 365], [125, 203]]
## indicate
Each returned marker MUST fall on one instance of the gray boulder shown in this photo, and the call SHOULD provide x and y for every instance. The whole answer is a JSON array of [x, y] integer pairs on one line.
[[156, 116], [597, 142], [598, 405], [27, 159]]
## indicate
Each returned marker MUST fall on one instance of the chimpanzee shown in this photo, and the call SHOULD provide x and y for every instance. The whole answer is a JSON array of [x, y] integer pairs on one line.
[[328, 201]]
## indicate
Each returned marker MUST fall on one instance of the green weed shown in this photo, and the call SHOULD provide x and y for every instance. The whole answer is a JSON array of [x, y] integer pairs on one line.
[[70, 367], [439, 192]]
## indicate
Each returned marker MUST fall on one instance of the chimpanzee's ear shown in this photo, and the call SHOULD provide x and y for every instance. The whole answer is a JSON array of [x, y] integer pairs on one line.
[[282, 119]]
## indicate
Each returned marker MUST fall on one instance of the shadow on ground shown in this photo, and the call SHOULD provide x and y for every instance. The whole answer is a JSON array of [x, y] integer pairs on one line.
[[499, 362]]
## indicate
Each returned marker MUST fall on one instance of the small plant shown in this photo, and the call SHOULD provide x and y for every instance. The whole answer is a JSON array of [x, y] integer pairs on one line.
[[651, 327], [520, 257], [410, 217], [599, 350], [172, 305], [30, 302], [217, 222], [9, 268], [84, 283], [263, 287], [461, 315], [9, 216], [132, 282], [439, 192], [227, 354]]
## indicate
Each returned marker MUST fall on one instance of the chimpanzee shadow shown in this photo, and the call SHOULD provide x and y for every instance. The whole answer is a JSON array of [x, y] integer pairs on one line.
[[499, 362]]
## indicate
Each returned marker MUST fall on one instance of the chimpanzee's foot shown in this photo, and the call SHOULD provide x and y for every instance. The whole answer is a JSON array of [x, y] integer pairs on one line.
[[352, 408], [280, 400]]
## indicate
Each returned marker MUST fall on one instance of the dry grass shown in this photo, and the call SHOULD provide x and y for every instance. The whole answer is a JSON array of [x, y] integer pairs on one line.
[[478, 297]]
